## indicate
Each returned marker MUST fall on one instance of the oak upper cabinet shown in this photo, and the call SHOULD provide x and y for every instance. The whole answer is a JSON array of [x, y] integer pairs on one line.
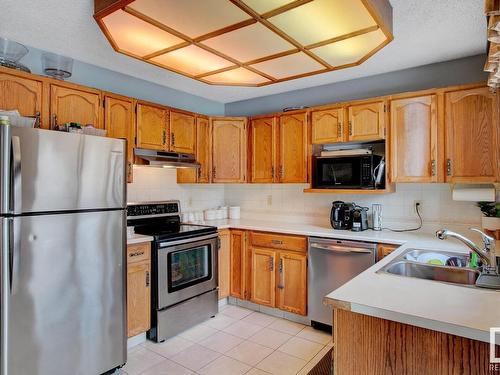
[[23, 94], [472, 131], [152, 127], [293, 148], [327, 126], [263, 276], [71, 103], [229, 150], [182, 132], [292, 282], [414, 139], [366, 121], [263, 150], [138, 288], [237, 263], [119, 121], [224, 265], [203, 156]]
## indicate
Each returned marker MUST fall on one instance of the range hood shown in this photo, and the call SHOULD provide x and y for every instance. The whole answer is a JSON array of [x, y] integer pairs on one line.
[[167, 159]]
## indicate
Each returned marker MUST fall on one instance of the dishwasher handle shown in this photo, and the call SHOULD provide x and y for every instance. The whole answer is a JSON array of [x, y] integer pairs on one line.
[[340, 249]]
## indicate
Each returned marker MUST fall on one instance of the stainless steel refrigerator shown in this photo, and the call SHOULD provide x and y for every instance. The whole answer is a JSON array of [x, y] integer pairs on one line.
[[62, 204]]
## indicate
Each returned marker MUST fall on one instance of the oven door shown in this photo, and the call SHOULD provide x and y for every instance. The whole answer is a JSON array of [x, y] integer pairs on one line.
[[186, 269], [337, 173]]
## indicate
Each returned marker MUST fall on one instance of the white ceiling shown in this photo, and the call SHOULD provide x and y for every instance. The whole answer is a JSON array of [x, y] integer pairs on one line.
[[425, 31]]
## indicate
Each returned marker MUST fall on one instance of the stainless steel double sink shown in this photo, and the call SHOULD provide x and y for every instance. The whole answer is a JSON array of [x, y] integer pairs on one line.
[[405, 264]]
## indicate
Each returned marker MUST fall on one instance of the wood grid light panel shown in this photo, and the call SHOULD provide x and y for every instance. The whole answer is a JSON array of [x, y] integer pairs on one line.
[[247, 42]]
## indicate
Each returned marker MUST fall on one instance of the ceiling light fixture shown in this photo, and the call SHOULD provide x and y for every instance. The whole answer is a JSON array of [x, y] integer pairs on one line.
[[247, 42]]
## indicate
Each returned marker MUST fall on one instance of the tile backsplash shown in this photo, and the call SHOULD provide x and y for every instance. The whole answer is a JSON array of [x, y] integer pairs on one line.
[[283, 201]]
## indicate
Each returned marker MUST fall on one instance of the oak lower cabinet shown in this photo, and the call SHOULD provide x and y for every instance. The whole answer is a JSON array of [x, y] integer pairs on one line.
[[278, 274], [182, 132], [263, 150], [224, 265], [385, 249], [366, 121], [471, 139], [238, 264], [293, 148], [327, 125], [119, 122], [414, 139], [138, 288], [152, 127], [71, 103], [229, 149], [18, 92]]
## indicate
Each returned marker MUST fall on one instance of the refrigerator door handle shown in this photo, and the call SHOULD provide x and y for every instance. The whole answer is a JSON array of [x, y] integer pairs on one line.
[[16, 175], [5, 292], [14, 248]]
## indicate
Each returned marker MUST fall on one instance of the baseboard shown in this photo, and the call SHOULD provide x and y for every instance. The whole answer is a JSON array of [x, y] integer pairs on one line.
[[136, 340]]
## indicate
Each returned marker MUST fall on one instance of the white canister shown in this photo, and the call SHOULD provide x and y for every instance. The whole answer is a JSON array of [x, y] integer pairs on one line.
[[226, 211], [220, 214], [234, 212]]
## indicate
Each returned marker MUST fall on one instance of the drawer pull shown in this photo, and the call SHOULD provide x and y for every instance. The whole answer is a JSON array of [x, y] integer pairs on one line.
[[277, 242], [136, 254]]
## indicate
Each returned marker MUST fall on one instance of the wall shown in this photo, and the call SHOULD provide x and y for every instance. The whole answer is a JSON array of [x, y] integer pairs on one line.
[[104, 79], [284, 201], [466, 70], [157, 184]]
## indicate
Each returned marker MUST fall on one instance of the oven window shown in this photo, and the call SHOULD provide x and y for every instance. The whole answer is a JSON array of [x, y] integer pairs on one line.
[[189, 267]]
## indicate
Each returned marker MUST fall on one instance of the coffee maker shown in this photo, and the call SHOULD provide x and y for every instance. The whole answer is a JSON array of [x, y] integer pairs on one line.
[[341, 215], [359, 219]]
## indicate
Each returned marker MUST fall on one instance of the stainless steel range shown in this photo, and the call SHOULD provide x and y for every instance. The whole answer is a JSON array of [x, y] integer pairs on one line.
[[184, 269]]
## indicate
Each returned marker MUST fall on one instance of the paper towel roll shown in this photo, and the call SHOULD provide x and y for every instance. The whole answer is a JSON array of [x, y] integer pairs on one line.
[[474, 194]]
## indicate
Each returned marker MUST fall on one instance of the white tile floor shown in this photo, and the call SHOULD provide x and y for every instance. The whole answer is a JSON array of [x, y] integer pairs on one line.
[[237, 341]]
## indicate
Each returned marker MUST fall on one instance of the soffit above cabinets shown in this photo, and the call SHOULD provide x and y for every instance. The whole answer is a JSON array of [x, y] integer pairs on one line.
[[247, 42]]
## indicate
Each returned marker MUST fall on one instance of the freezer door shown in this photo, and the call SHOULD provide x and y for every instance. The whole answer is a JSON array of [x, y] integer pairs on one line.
[[66, 302], [50, 171]]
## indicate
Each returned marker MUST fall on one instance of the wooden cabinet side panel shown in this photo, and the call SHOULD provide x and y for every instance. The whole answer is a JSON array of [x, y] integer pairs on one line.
[[386, 347], [237, 242], [203, 148], [224, 263]]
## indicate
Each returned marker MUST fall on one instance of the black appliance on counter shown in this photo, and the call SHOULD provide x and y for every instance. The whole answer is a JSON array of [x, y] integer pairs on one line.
[[185, 268], [341, 215], [359, 219]]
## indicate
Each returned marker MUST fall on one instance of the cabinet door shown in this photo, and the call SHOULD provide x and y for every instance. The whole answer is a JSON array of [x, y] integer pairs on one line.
[[138, 298], [383, 250], [293, 148], [263, 277], [182, 132], [327, 126], [22, 94], [151, 127], [414, 136], [224, 263], [119, 123], [472, 127], [263, 150], [237, 261], [68, 104], [366, 122], [292, 283], [229, 150]]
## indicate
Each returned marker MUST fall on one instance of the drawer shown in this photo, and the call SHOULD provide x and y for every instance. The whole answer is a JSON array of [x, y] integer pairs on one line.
[[138, 252], [278, 241]]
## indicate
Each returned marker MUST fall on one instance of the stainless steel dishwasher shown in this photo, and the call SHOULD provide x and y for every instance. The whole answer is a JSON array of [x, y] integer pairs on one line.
[[331, 264]]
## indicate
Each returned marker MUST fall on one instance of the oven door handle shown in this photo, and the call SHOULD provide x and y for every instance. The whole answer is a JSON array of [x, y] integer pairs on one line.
[[187, 240]]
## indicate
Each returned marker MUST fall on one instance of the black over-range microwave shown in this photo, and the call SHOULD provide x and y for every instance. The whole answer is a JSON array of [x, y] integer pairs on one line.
[[349, 172]]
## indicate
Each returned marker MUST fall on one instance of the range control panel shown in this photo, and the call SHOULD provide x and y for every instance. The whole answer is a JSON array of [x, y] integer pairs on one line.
[[153, 209]]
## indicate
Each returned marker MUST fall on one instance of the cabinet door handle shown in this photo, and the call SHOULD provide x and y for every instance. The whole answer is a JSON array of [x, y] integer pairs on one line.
[[271, 264], [54, 122], [281, 172], [147, 279], [339, 130], [281, 284], [448, 167], [172, 138], [199, 172], [350, 127], [272, 172], [129, 170], [433, 167], [214, 172], [164, 137]]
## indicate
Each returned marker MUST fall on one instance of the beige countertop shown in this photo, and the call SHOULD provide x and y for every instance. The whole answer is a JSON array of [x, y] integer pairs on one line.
[[459, 310]]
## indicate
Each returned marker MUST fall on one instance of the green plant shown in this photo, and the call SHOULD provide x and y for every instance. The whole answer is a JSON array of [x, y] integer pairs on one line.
[[490, 209]]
